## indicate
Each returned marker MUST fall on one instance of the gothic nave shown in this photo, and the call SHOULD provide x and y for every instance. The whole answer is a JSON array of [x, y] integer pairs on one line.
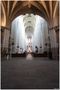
[[29, 44]]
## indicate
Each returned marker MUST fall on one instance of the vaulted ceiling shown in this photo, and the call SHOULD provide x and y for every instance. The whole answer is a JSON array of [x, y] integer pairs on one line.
[[11, 9]]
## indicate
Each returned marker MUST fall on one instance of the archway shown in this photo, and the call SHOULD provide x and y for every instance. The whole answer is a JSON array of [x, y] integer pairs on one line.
[[28, 32]]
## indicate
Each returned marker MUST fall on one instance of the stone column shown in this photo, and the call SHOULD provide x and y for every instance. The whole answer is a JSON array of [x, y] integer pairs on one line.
[[9, 48], [53, 44], [49, 45]]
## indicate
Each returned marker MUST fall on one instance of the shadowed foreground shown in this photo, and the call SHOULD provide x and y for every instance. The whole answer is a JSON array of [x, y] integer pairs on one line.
[[21, 73]]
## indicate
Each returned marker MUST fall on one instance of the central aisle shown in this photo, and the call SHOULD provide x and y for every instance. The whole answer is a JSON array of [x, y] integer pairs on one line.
[[29, 57]]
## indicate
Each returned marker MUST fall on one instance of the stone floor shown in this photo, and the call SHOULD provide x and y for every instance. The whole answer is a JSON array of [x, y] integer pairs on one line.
[[26, 73]]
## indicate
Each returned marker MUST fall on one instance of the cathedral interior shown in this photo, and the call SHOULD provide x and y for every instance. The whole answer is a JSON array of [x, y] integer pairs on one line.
[[29, 44]]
